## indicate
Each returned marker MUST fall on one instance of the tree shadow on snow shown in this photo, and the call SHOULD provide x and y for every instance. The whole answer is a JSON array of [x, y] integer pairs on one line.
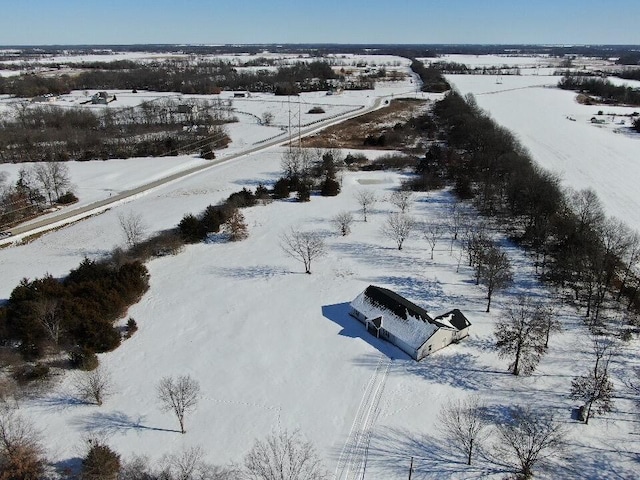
[[253, 272], [61, 401], [69, 468], [108, 423], [600, 460], [392, 449], [447, 368], [352, 328]]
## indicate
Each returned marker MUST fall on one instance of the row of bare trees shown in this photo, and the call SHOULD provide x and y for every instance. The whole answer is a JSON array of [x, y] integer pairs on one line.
[[575, 244], [281, 455], [521, 439], [159, 127]]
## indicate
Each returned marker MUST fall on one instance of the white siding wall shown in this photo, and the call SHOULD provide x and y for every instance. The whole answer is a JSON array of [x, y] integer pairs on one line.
[[440, 339]]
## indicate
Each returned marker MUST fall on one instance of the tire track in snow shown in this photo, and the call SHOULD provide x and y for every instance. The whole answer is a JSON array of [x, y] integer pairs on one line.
[[354, 452]]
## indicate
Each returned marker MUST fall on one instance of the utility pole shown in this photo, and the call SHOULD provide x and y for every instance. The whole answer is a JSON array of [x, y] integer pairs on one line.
[[411, 468]]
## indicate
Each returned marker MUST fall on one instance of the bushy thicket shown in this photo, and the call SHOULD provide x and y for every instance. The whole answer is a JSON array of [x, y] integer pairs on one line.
[[602, 88], [306, 171], [76, 313], [194, 228]]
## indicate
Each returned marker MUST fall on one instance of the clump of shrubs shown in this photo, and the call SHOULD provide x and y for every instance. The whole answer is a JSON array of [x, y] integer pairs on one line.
[[67, 198], [83, 359], [31, 373], [101, 462], [81, 308], [194, 229], [392, 162], [131, 328]]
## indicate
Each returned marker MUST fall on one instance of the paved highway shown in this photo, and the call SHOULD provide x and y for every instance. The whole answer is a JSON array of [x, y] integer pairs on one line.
[[69, 216]]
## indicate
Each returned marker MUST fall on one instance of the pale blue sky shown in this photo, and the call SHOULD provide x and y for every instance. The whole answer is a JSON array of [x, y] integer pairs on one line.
[[45, 22]]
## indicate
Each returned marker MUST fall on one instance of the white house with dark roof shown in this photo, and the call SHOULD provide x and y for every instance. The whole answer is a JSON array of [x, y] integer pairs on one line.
[[392, 317]]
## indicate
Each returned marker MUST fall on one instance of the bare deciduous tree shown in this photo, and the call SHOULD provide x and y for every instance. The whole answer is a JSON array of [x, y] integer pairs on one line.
[[366, 199], [521, 336], [283, 456], [402, 199], [398, 227], [527, 438], [455, 222], [588, 208], [551, 323], [595, 388], [495, 271], [236, 226], [53, 178], [267, 118], [431, 233], [21, 453], [303, 246], [296, 163], [178, 395], [47, 311], [94, 386], [133, 228], [343, 221], [464, 424], [189, 464]]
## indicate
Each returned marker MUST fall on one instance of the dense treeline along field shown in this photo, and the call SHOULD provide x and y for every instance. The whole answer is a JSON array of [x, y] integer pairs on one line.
[[576, 246], [605, 91], [184, 76], [154, 128]]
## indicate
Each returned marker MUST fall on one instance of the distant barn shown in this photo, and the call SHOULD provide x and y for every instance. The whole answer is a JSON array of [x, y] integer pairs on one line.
[[392, 317]]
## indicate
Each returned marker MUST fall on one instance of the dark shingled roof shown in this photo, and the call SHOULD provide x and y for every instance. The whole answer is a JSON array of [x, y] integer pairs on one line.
[[455, 318], [398, 305]]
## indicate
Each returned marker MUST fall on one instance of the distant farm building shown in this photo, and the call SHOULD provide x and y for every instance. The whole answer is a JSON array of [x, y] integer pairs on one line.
[[102, 98], [392, 317], [49, 97]]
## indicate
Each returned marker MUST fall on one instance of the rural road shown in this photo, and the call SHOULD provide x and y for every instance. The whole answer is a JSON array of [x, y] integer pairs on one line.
[[70, 216]]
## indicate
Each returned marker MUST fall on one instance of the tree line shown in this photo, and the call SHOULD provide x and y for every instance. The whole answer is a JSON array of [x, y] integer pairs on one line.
[[606, 91], [431, 77], [156, 128], [204, 77], [576, 246]]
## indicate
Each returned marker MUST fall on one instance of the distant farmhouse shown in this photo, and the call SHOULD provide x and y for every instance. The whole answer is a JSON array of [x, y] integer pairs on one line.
[[392, 317], [102, 98]]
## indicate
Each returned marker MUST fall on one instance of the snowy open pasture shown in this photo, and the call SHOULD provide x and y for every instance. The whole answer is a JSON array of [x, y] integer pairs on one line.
[[602, 157], [275, 348]]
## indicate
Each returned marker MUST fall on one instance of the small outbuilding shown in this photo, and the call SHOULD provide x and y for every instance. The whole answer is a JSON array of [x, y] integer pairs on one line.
[[392, 317]]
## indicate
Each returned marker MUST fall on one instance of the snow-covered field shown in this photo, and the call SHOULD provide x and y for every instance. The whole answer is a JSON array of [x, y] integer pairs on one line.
[[602, 157], [275, 348]]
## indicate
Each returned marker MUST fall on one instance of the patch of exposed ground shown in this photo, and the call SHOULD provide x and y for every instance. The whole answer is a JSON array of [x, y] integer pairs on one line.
[[352, 133]]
